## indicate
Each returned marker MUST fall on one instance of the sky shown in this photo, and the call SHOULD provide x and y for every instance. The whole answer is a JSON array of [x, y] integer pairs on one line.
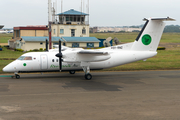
[[102, 12]]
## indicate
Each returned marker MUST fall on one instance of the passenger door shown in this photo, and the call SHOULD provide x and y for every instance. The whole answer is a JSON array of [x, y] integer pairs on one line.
[[44, 62]]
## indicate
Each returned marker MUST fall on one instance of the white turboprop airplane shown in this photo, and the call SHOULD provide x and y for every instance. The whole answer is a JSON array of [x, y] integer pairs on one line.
[[3, 32], [72, 59]]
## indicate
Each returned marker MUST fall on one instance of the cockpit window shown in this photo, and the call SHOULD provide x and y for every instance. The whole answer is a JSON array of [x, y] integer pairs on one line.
[[25, 58]]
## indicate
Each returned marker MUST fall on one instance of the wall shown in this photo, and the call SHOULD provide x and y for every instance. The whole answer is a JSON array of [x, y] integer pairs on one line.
[[82, 44], [39, 33], [16, 33], [27, 32], [33, 45], [36, 45], [67, 30]]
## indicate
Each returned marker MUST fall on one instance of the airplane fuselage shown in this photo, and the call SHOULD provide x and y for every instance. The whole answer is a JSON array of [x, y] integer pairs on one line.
[[47, 61]]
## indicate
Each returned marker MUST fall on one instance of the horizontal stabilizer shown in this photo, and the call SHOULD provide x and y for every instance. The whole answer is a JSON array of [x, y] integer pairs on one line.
[[162, 19]]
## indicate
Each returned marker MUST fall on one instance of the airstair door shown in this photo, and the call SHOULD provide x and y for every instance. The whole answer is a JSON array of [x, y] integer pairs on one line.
[[44, 62]]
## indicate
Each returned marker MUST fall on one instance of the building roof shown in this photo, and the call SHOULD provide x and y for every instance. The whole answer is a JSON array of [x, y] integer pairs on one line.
[[72, 12], [39, 39], [31, 28], [63, 39], [80, 39]]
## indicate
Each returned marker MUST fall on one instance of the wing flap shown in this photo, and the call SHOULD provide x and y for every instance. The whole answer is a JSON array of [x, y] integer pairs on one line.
[[92, 52], [86, 56]]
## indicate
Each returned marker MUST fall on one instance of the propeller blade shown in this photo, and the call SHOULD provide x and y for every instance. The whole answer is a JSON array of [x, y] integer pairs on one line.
[[46, 45], [60, 56]]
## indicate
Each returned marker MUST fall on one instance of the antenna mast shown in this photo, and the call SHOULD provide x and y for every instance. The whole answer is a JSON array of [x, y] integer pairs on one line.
[[88, 11], [49, 11], [49, 20]]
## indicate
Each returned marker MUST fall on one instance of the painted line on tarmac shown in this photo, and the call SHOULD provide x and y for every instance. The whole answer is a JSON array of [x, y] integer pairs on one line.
[[5, 75]]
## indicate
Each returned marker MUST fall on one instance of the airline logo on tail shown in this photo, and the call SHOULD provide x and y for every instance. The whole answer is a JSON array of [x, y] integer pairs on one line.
[[146, 39]]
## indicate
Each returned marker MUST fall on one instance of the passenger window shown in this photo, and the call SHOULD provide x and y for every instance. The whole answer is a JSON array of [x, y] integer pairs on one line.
[[56, 60], [52, 60]]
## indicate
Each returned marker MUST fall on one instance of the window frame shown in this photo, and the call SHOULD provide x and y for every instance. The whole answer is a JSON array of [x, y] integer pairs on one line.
[[83, 31], [61, 31], [88, 46], [54, 31], [75, 45]]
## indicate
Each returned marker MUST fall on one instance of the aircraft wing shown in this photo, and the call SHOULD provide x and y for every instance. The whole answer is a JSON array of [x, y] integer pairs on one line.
[[92, 52], [86, 56], [92, 56]]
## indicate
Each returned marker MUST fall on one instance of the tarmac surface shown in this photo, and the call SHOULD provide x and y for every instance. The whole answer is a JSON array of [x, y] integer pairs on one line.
[[142, 95]]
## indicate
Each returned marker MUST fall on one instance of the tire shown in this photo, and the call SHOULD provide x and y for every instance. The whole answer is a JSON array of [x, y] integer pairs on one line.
[[88, 76], [72, 72], [17, 76]]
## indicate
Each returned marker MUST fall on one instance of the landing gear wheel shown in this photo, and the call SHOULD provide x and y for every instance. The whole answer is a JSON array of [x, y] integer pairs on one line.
[[88, 76], [17, 76], [72, 72]]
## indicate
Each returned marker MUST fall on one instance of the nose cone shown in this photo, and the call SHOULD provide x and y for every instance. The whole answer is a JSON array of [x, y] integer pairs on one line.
[[6, 69], [11, 67]]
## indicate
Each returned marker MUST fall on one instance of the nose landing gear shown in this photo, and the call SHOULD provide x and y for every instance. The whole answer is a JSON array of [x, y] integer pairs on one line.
[[16, 75]]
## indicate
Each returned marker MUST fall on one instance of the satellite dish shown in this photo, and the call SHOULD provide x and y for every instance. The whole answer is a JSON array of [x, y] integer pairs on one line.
[[106, 42], [116, 41]]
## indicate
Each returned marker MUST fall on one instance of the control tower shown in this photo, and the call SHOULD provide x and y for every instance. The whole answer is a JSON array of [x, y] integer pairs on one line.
[[71, 24]]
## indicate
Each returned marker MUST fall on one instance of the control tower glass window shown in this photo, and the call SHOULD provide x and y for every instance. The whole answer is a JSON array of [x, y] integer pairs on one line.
[[78, 19], [67, 18]]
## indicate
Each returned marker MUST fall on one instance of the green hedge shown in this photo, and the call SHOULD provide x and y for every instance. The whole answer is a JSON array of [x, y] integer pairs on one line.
[[161, 48]]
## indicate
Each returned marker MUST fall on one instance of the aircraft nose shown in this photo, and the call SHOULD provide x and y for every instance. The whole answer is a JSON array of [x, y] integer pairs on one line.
[[5, 69]]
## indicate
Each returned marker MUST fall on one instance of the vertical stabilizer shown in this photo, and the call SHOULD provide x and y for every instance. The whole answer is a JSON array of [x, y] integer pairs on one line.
[[150, 35]]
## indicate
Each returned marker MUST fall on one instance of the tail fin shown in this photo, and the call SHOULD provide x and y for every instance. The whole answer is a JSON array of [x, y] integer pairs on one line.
[[150, 35]]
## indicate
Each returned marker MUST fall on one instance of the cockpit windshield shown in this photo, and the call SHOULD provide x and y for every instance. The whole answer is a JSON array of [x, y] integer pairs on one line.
[[25, 58]]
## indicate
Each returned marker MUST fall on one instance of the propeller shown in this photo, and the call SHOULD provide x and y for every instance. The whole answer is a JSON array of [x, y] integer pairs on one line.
[[60, 56], [46, 45]]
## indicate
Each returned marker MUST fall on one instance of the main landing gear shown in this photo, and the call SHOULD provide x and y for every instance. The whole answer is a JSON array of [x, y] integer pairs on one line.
[[87, 76], [72, 72]]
